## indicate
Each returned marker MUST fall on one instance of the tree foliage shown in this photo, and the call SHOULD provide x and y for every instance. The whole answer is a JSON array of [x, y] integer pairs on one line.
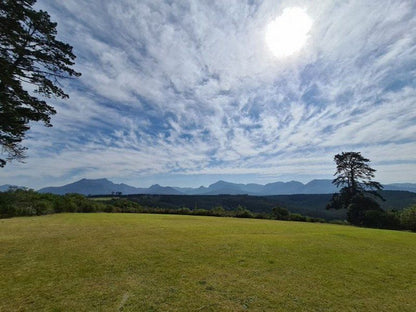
[[360, 207], [354, 173], [354, 176], [408, 218], [32, 61]]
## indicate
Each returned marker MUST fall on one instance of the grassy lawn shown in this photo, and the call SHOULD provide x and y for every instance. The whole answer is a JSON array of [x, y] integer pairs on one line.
[[139, 262]]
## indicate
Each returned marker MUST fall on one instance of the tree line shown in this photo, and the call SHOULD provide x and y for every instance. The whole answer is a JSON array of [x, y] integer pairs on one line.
[[20, 202]]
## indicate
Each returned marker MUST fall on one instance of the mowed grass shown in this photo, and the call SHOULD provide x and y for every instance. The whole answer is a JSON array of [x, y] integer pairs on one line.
[[140, 262]]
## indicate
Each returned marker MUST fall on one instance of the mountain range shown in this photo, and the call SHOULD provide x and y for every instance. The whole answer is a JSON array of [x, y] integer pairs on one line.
[[105, 187]]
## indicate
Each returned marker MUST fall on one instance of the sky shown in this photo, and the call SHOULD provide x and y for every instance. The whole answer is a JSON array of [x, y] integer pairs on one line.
[[185, 93]]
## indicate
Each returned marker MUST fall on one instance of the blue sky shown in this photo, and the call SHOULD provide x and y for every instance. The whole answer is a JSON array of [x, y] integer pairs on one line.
[[187, 92]]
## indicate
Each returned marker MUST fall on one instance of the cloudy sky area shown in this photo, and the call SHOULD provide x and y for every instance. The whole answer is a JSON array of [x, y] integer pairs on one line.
[[187, 92]]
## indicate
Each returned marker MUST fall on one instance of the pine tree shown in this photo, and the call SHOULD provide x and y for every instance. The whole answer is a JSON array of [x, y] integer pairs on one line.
[[30, 58], [354, 176]]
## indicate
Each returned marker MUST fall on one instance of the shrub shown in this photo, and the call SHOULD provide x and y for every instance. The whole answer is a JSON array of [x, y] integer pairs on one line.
[[42, 207], [262, 216], [280, 213], [297, 217], [381, 219], [340, 222], [244, 213], [7, 209], [65, 204], [184, 211], [316, 220], [218, 211], [408, 219], [202, 212], [358, 207]]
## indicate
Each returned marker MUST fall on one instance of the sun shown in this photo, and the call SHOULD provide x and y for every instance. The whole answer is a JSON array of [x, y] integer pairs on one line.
[[288, 33]]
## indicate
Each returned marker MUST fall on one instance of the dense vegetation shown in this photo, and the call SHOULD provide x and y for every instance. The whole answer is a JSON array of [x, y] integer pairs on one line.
[[143, 262], [306, 204], [28, 203]]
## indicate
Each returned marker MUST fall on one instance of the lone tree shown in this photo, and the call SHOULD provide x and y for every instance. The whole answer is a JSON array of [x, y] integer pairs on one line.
[[31, 62], [354, 176]]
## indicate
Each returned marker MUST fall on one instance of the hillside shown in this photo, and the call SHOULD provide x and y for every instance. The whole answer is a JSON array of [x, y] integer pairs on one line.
[[138, 262], [312, 205]]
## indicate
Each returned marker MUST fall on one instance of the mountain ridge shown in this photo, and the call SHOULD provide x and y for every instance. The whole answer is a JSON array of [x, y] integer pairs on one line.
[[104, 186]]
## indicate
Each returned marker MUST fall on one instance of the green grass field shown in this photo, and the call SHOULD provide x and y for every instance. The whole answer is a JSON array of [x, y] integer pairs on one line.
[[139, 262]]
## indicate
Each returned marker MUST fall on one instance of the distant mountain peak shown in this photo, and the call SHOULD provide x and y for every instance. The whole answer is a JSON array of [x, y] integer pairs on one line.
[[94, 180], [223, 183], [219, 182]]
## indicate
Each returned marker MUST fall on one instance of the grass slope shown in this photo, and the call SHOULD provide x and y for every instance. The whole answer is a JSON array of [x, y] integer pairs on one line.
[[138, 262]]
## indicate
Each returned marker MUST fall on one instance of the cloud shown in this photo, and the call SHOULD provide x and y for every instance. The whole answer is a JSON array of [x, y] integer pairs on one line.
[[190, 88]]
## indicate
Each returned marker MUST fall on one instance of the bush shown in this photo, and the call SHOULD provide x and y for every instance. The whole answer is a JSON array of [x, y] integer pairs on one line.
[[279, 213], [7, 209], [358, 207], [184, 211], [42, 207], [202, 212], [408, 219], [316, 220], [218, 211], [261, 216], [65, 204], [339, 222], [244, 213], [381, 219], [297, 217]]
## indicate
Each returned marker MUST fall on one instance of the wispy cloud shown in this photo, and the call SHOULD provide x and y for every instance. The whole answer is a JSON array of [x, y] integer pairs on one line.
[[189, 88]]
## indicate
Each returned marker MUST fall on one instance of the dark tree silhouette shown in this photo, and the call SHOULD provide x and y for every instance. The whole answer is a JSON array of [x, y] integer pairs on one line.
[[354, 173], [31, 62], [354, 176]]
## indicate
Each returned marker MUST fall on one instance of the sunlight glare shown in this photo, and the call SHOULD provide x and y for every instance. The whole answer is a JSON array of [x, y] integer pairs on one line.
[[287, 34]]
